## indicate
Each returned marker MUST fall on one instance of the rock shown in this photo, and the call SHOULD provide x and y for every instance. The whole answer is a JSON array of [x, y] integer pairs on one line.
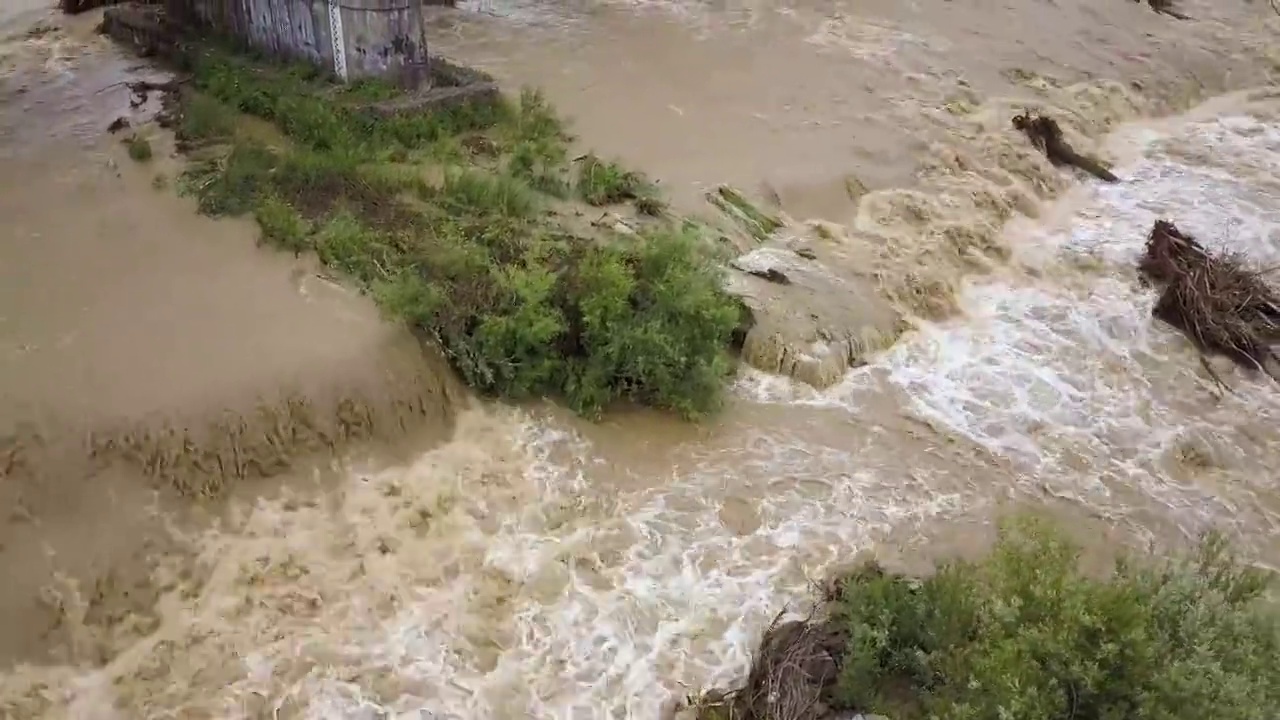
[[814, 326]]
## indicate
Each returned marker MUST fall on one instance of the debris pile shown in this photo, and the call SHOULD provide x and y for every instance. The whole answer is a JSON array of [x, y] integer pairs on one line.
[[792, 671], [1217, 301]]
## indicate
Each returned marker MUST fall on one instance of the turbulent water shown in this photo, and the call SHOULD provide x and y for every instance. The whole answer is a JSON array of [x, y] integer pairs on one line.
[[538, 567]]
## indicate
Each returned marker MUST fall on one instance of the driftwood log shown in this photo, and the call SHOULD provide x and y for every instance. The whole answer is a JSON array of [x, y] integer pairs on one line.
[[1046, 136]]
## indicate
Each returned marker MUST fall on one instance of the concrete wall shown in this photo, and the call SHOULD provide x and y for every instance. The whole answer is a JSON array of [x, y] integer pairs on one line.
[[375, 37]]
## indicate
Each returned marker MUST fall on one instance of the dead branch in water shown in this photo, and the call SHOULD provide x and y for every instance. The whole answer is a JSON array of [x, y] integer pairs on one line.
[[1165, 7], [1217, 301], [794, 666], [1046, 136]]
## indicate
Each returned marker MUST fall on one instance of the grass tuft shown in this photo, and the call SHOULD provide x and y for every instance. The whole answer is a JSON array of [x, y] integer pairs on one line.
[[602, 182], [139, 148]]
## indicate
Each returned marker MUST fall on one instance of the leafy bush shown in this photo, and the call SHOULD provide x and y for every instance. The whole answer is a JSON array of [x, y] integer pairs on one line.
[[475, 256], [138, 147], [602, 182], [654, 323], [1025, 634], [281, 225]]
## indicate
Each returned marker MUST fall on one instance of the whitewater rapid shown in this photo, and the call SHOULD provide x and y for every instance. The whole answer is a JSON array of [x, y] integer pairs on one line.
[[1069, 376]]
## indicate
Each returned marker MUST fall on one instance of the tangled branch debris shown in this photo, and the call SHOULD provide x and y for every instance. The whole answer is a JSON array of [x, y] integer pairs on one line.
[[1217, 301], [793, 669], [1046, 136]]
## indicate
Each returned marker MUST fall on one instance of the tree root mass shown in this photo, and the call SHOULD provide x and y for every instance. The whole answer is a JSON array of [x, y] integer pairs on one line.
[[1217, 301]]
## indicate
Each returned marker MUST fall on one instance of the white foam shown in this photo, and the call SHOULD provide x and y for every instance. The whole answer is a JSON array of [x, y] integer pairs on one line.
[[684, 599]]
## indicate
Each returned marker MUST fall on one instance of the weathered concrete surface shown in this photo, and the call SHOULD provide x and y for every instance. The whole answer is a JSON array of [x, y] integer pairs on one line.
[[384, 38], [291, 28], [448, 85], [373, 37], [144, 27]]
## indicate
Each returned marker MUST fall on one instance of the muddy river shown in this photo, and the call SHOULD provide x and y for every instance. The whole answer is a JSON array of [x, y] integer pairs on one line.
[[477, 561]]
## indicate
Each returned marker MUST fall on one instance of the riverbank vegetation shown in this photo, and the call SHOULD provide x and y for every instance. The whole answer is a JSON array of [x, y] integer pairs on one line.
[[538, 273], [1025, 634]]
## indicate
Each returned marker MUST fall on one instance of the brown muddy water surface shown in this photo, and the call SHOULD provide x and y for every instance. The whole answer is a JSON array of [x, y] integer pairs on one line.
[[537, 566], [128, 324]]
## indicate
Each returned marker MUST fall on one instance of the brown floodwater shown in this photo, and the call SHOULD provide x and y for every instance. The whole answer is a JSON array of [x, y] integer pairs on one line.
[[129, 323], [534, 565]]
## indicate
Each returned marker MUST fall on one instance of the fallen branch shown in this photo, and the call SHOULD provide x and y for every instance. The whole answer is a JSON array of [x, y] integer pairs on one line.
[[1046, 136]]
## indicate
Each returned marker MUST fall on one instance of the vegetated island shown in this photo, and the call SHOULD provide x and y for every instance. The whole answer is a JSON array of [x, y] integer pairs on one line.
[[538, 273], [1024, 634]]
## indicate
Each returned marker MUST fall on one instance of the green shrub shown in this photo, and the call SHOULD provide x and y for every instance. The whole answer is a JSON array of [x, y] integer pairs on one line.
[[281, 225], [603, 182], [1025, 634], [206, 119], [649, 322], [480, 195], [518, 334], [346, 244], [139, 148], [540, 164], [231, 185], [654, 325]]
